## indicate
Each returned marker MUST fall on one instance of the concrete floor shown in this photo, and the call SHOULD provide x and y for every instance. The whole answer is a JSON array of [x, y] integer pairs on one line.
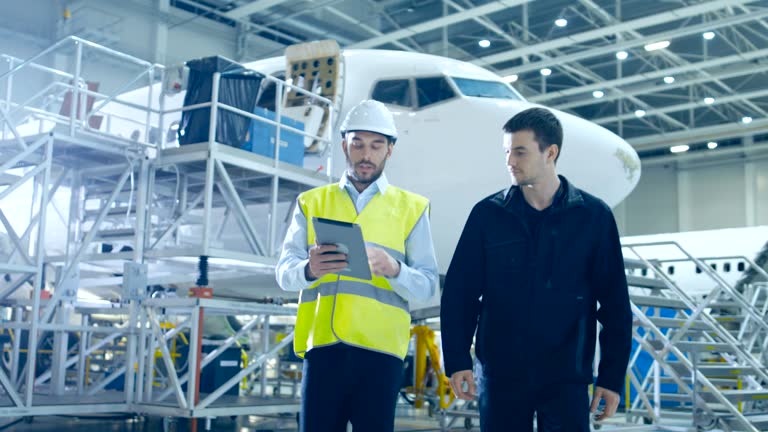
[[240, 424], [155, 424]]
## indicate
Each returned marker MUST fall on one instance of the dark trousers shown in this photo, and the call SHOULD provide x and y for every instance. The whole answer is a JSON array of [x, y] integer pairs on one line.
[[344, 384], [507, 405]]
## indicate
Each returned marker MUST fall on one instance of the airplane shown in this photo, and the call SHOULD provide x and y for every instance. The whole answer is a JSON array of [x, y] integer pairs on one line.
[[729, 253], [449, 114]]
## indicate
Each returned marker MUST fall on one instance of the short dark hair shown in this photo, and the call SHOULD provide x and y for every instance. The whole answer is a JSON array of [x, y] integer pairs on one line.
[[546, 128]]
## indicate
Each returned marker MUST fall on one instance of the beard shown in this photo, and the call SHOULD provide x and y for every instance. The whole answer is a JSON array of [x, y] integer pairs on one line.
[[376, 171]]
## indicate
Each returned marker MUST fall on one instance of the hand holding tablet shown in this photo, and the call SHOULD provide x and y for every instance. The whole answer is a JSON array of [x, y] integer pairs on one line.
[[340, 249], [324, 259]]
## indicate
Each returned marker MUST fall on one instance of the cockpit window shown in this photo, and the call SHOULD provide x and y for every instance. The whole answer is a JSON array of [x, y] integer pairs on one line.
[[433, 90], [488, 89], [394, 92]]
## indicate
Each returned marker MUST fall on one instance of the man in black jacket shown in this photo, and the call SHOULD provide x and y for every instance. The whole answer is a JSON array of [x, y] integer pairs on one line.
[[528, 273]]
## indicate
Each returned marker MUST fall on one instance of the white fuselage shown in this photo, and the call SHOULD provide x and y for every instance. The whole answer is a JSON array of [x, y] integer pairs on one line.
[[727, 252]]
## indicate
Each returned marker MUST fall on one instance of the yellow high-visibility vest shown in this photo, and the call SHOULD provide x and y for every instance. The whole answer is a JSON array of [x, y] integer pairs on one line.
[[363, 313]]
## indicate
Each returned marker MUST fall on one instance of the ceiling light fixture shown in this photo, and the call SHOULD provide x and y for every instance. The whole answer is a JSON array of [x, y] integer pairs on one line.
[[622, 55], [711, 145], [561, 22], [657, 45], [708, 35], [679, 148], [485, 43], [709, 100], [746, 119], [640, 113], [669, 79], [546, 71], [598, 94]]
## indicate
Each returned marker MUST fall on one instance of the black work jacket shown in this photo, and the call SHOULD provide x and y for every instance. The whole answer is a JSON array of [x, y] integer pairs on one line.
[[533, 298]]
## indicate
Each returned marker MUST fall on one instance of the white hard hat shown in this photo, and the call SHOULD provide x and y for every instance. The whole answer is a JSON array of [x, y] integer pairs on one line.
[[370, 115]]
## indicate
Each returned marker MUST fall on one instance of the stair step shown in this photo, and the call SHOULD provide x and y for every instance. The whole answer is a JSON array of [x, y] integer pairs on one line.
[[706, 347], [746, 395], [675, 397], [709, 397], [720, 382], [116, 234], [723, 371], [730, 318], [758, 420], [645, 282], [714, 370], [675, 323], [114, 211], [719, 304], [658, 301], [8, 179]]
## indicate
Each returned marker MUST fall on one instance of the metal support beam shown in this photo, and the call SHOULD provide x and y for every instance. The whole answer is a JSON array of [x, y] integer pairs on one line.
[[160, 341], [653, 75], [700, 134], [38, 283], [251, 8], [364, 26], [210, 357], [163, 7], [436, 23], [259, 362], [88, 239], [17, 242], [677, 59], [637, 42], [9, 390], [240, 211], [655, 87], [649, 21], [682, 107]]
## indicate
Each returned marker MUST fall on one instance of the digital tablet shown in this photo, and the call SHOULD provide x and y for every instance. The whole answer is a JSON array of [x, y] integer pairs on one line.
[[349, 239]]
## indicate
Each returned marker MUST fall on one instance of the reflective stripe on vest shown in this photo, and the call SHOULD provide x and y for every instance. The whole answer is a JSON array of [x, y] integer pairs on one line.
[[361, 289], [364, 313]]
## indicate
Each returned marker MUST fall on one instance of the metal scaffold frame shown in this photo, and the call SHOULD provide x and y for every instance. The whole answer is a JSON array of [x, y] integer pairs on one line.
[[117, 189], [71, 144], [714, 370], [172, 398]]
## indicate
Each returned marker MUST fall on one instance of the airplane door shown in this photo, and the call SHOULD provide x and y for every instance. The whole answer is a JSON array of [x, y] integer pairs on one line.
[[316, 68]]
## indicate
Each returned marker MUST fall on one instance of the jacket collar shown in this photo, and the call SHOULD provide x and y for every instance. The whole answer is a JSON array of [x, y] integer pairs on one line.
[[571, 198]]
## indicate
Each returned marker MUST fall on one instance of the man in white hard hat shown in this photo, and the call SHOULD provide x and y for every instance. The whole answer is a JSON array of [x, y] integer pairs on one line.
[[352, 333]]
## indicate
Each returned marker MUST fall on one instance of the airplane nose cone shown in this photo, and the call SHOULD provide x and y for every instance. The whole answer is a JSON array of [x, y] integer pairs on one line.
[[598, 161], [592, 157]]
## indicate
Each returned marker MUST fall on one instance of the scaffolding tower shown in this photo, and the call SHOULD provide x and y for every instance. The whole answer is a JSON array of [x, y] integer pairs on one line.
[[138, 214]]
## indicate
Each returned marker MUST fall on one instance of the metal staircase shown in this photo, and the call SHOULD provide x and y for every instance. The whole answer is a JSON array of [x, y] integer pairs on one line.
[[705, 355]]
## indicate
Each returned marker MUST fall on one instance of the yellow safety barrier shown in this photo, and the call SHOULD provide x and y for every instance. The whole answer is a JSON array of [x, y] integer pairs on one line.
[[158, 355], [244, 360], [425, 343], [626, 394]]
